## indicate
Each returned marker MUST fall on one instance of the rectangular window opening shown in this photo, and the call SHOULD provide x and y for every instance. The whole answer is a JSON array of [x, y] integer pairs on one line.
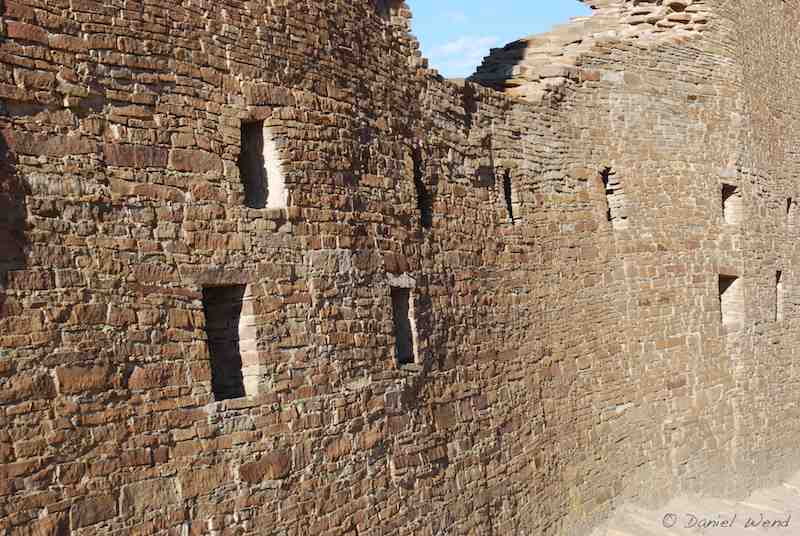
[[791, 211], [252, 164], [731, 204], [731, 298], [485, 177], [616, 202], [424, 198], [402, 311], [260, 168], [779, 297], [223, 310]]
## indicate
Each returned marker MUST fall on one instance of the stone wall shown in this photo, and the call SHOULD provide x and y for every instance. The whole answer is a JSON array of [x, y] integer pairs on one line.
[[563, 363]]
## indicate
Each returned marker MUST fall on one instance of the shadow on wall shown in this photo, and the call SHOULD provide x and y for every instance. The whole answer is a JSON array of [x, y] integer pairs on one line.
[[426, 186], [498, 68], [13, 213]]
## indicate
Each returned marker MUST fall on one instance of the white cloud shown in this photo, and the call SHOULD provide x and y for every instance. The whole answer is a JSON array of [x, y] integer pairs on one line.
[[456, 17], [460, 57]]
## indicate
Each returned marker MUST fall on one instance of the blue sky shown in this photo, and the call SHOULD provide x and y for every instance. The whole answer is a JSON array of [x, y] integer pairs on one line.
[[456, 34]]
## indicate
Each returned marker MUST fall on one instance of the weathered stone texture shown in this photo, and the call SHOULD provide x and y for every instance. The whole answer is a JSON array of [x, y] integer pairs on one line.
[[563, 363]]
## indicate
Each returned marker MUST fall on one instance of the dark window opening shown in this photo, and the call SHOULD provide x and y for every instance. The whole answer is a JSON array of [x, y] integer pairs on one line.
[[779, 298], [731, 204], [403, 334], [616, 203], [424, 198], [508, 194], [731, 301], [252, 165], [791, 211], [485, 177], [223, 310], [388, 8]]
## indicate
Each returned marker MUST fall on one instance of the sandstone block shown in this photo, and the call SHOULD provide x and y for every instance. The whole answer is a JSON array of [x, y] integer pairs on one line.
[[30, 279], [180, 318], [69, 278], [339, 447], [52, 525], [26, 32], [203, 191], [34, 79], [138, 498], [201, 372], [135, 156], [155, 376], [88, 6], [81, 379], [157, 191], [194, 161], [20, 11], [48, 145], [201, 481], [27, 387], [121, 317], [557, 71], [154, 273], [679, 17], [589, 75], [92, 510], [89, 314], [68, 42], [678, 5], [70, 473], [273, 466], [445, 416], [183, 139]]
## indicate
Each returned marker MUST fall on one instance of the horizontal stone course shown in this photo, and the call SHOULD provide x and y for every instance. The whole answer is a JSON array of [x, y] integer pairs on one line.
[[135, 156]]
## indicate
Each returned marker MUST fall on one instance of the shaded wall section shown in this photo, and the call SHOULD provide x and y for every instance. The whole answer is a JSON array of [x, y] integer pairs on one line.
[[13, 210], [13, 215]]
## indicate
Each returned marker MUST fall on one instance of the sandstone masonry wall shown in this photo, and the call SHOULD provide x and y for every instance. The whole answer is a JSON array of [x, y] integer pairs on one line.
[[564, 364]]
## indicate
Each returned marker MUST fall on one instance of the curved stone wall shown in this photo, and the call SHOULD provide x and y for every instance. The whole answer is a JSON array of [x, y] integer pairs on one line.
[[562, 249]]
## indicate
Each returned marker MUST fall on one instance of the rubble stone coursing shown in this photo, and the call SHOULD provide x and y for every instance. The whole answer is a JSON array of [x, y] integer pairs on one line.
[[563, 365]]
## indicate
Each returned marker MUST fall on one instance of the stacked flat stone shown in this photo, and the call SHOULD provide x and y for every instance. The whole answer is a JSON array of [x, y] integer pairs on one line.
[[538, 65]]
